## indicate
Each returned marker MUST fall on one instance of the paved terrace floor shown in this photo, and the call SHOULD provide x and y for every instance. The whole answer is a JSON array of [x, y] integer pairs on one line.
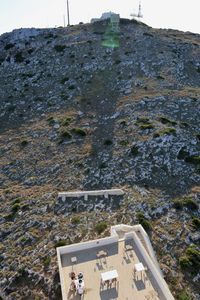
[[128, 287]]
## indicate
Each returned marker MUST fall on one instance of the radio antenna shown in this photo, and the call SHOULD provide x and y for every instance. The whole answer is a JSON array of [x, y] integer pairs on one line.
[[68, 20], [139, 15]]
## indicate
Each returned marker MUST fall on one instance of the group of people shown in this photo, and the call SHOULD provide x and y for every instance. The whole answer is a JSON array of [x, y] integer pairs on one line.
[[77, 284]]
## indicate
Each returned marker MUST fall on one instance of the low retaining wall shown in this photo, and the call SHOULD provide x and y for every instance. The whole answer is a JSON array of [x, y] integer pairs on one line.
[[104, 193]]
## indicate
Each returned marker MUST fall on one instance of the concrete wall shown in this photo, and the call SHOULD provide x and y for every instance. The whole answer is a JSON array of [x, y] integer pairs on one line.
[[105, 193], [62, 284], [160, 283], [87, 245]]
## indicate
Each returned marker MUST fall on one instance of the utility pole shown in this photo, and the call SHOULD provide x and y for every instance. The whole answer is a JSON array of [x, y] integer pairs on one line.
[[68, 13]]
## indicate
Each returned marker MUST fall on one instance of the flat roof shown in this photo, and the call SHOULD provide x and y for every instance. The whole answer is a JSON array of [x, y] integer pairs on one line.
[[128, 286], [121, 254]]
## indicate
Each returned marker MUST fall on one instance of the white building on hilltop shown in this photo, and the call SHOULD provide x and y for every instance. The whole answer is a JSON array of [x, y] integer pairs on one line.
[[105, 16]]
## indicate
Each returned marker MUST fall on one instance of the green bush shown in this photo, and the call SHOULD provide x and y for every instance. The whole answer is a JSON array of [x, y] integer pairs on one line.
[[123, 143], [108, 142], [182, 153], [59, 48], [65, 135], [21, 270], [75, 220], [193, 159], [46, 261], [11, 108], [63, 80], [184, 124], [18, 200], [15, 207], [190, 203], [191, 259], [160, 77], [144, 222], [79, 131], [134, 150], [146, 225], [184, 296], [51, 121], [196, 222], [156, 134], [167, 131], [64, 96], [118, 61], [66, 121], [164, 120], [9, 46], [60, 243], [143, 120], [193, 255], [146, 126], [23, 239], [71, 87], [24, 143], [177, 204], [103, 165], [100, 227], [9, 217], [19, 57], [185, 202], [123, 123], [184, 262]]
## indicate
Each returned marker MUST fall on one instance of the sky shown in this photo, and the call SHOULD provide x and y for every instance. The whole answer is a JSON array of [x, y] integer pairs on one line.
[[174, 14]]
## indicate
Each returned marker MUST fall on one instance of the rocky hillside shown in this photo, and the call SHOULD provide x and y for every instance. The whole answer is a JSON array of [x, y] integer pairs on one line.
[[77, 115]]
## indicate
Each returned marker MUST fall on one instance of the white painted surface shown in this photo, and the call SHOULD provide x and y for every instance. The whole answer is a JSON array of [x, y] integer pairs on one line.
[[139, 267], [109, 275], [87, 245], [91, 193], [73, 259]]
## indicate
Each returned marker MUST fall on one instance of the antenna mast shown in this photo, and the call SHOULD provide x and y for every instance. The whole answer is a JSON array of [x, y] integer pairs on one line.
[[68, 24], [139, 15], [140, 11]]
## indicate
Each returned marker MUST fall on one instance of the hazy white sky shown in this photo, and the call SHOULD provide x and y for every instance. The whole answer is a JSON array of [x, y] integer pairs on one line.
[[175, 14]]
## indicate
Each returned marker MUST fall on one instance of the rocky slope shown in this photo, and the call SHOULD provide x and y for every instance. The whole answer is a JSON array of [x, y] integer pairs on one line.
[[77, 115]]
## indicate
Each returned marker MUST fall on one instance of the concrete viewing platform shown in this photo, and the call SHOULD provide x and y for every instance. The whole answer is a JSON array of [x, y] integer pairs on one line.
[[121, 267]]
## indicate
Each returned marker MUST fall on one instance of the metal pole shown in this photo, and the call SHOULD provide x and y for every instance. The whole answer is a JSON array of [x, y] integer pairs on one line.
[[68, 13]]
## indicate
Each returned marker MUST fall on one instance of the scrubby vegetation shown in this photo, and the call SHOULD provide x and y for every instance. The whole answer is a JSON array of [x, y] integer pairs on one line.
[[79, 131], [143, 221], [184, 296], [187, 202], [196, 222], [134, 150], [19, 57], [60, 243], [108, 142], [165, 131], [193, 159], [101, 227], [59, 48], [191, 259]]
